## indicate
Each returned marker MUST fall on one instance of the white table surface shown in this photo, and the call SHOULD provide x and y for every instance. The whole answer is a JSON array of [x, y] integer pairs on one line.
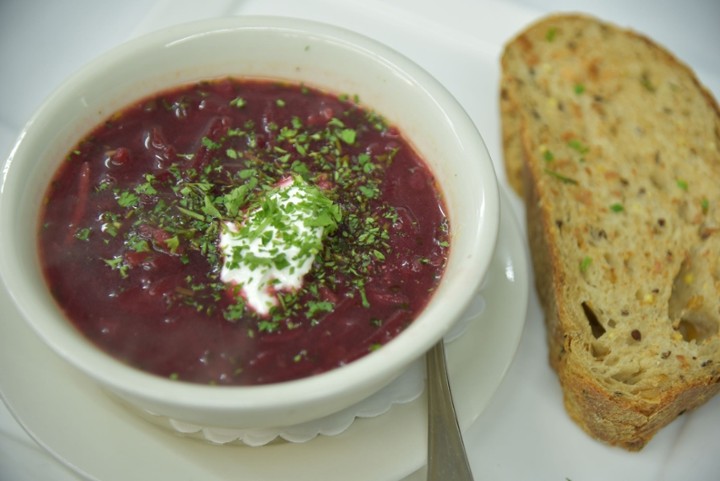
[[524, 433]]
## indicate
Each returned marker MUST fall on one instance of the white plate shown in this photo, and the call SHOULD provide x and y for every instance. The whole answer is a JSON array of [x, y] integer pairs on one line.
[[82, 427]]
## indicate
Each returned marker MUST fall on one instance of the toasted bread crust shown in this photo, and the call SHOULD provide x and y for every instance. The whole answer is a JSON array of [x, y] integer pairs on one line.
[[613, 240]]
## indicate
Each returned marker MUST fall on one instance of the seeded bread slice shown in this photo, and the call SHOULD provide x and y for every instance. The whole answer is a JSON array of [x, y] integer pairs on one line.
[[615, 147]]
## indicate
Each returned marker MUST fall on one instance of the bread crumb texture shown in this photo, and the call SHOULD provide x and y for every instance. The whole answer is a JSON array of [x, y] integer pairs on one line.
[[615, 146]]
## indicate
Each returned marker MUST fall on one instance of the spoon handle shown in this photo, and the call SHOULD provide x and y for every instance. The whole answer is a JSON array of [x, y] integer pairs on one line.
[[447, 460]]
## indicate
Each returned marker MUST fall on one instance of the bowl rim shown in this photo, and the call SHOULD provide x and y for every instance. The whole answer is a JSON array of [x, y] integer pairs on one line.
[[356, 375]]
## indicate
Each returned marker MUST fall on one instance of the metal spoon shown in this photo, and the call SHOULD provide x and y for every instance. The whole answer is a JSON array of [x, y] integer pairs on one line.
[[447, 459]]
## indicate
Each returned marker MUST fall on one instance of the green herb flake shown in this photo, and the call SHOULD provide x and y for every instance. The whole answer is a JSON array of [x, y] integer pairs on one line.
[[235, 311], [210, 144], [705, 205], [118, 264], [646, 83], [247, 173], [234, 200], [300, 168], [137, 244], [579, 89], [585, 263], [191, 213], [682, 184], [83, 234], [315, 307], [103, 185], [268, 325], [348, 136], [564, 179], [369, 191], [146, 189], [238, 102], [172, 243], [548, 156], [209, 208], [127, 199], [578, 146], [551, 34], [111, 224], [617, 207]]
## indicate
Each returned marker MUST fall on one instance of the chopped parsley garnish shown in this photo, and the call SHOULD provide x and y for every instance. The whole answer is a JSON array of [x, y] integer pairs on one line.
[[282, 223], [118, 264], [83, 234], [348, 136], [210, 144], [238, 102], [315, 307], [182, 212], [127, 199], [137, 222]]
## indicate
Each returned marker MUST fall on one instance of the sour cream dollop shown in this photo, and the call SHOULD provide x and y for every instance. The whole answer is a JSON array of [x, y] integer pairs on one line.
[[274, 246]]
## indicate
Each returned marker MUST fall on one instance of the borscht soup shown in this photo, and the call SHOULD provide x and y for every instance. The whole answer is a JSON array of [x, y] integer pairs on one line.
[[243, 232]]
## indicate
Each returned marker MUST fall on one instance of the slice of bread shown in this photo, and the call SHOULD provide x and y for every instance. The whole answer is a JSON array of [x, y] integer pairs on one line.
[[615, 147]]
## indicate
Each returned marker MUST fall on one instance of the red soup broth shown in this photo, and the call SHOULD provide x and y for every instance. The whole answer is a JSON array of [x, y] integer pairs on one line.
[[129, 232]]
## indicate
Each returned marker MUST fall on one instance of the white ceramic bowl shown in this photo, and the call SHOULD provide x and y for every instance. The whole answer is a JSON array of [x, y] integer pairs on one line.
[[269, 47]]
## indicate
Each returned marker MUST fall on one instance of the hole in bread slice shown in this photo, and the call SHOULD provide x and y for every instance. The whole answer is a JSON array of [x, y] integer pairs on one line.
[[596, 328], [698, 329], [694, 304]]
